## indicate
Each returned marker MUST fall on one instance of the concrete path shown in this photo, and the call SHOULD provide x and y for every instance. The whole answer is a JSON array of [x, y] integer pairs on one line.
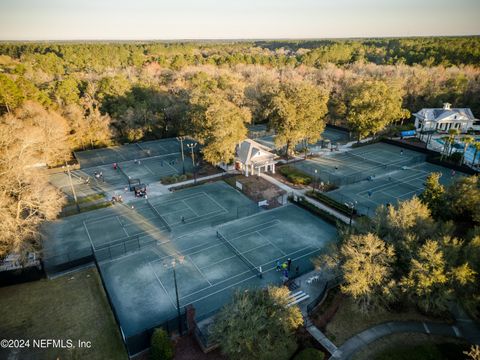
[[318, 204], [321, 338], [464, 328]]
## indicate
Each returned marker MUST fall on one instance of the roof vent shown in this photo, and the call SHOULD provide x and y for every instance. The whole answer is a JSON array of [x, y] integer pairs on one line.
[[446, 106]]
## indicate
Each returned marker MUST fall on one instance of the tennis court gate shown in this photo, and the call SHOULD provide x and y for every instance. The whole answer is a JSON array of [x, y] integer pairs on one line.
[[139, 342]]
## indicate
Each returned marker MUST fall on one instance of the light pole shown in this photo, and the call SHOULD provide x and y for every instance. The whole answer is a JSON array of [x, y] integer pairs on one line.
[[351, 206], [181, 139], [315, 180], [191, 146], [71, 185], [173, 264]]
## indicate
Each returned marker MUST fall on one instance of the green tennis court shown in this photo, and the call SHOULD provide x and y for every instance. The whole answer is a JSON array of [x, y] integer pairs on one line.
[[141, 287], [358, 164], [390, 188], [126, 152], [120, 228]]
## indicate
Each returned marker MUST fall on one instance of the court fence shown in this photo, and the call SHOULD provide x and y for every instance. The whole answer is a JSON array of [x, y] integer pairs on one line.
[[140, 341], [122, 247], [159, 216], [56, 264]]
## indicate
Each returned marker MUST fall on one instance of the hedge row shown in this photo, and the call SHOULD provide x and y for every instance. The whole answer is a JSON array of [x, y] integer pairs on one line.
[[295, 176], [342, 208], [315, 210]]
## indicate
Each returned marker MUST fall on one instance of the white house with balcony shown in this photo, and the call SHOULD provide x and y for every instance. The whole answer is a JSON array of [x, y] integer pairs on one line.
[[253, 158], [444, 119]]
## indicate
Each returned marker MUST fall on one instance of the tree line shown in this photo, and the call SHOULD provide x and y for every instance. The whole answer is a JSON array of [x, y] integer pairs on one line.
[[82, 96], [425, 252]]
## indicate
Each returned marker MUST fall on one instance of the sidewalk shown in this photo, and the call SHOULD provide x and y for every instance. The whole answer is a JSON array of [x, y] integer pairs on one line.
[[318, 204], [464, 328]]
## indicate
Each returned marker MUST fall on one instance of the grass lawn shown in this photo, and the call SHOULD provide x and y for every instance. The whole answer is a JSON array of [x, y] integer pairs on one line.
[[409, 346], [348, 321], [69, 307]]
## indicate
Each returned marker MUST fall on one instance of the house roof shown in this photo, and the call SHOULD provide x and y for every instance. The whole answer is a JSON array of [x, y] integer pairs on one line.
[[440, 114], [248, 149]]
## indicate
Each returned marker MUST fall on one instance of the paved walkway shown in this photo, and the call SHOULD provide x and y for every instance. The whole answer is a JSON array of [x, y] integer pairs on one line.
[[464, 328], [318, 204]]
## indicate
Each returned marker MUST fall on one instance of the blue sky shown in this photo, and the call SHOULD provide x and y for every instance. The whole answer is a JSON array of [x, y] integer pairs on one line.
[[228, 19]]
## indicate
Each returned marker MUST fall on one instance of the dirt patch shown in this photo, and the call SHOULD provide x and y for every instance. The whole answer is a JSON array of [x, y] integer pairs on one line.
[[259, 189]]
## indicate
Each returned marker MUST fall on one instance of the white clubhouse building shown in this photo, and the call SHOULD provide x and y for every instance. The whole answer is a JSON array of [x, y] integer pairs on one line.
[[253, 157], [444, 119]]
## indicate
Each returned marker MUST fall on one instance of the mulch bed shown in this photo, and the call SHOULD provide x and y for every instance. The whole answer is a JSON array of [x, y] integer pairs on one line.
[[187, 348]]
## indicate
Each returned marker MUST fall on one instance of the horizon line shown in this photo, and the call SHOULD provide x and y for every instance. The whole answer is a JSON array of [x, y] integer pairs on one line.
[[241, 39]]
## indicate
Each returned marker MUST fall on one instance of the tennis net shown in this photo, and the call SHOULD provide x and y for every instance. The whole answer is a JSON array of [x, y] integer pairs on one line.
[[122, 172], [159, 216], [247, 262]]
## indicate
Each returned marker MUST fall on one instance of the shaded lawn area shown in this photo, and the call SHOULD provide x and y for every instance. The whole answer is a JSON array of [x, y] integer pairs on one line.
[[69, 307], [348, 321], [409, 346]]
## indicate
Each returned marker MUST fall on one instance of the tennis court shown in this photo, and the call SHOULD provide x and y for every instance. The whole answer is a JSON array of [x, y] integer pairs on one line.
[[148, 170], [335, 137], [214, 262], [358, 164], [389, 188], [109, 155], [119, 229]]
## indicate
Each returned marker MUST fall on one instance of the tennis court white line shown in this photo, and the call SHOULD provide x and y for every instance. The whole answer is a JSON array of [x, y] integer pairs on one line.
[[201, 218], [215, 201], [161, 284], [275, 246], [88, 234], [188, 206], [146, 167], [263, 225], [200, 271], [239, 282], [235, 256], [168, 201], [245, 272], [123, 227]]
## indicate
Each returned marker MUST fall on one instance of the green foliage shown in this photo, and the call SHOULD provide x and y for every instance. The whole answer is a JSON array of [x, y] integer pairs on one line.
[[426, 282], [161, 345], [11, 95], [372, 105], [340, 207], [310, 354], [296, 112], [367, 270], [258, 324], [462, 201], [173, 179], [217, 117], [433, 193], [294, 175]]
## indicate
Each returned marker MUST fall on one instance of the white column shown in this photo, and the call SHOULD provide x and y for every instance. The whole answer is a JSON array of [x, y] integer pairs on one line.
[[246, 170], [273, 168]]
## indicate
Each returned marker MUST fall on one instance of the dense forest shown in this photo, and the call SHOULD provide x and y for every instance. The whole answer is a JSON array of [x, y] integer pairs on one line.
[[131, 91], [59, 97]]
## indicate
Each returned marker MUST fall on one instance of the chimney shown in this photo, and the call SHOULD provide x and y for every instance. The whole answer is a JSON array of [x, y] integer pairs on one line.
[[446, 106]]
